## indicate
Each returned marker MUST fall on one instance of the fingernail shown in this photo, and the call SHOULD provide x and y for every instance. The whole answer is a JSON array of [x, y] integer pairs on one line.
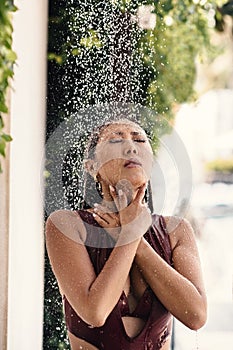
[[94, 215], [111, 188], [95, 209], [95, 204]]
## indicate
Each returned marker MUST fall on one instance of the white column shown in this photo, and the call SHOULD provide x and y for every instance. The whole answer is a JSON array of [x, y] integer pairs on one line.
[[26, 248], [4, 236]]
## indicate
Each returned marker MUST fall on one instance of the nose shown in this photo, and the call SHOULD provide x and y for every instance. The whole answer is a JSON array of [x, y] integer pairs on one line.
[[130, 148]]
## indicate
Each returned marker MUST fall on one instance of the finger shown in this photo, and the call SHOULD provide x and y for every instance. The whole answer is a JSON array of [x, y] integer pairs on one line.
[[102, 215], [107, 216], [114, 196], [112, 191], [110, 218], [122, 199], [104, 208], [100, 220], [106, 220], [140, 194], [114, 217]]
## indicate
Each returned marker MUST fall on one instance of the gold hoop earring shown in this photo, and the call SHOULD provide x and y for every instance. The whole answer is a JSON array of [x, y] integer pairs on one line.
[[99, 188]]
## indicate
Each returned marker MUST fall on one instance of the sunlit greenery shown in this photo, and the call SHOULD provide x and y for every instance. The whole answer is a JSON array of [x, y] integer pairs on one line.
[[166, 55], [221, 165]]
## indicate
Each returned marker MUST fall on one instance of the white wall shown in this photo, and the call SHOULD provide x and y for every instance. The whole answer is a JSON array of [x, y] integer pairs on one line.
[[26, 250]]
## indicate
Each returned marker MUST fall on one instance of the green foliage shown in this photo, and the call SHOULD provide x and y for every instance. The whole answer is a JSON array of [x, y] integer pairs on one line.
[[221, 165], [7, 60], [55, 337], [164, 57], [180, 36]]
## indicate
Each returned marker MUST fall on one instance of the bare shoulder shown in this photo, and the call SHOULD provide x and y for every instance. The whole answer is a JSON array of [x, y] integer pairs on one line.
[[62, 214], [179, 230], [67, 223], [68, 256]]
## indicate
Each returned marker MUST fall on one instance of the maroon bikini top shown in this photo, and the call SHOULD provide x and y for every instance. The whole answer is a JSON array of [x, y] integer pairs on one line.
[[112, 335]]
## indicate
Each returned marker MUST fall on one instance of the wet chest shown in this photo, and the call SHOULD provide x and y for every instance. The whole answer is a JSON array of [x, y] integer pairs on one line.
[[134, 290]]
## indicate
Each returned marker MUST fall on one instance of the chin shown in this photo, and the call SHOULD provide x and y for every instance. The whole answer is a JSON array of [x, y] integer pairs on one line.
[[135, 178], [136, 181]]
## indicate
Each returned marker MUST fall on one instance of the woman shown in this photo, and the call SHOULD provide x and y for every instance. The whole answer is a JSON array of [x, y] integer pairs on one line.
[[122, 271]]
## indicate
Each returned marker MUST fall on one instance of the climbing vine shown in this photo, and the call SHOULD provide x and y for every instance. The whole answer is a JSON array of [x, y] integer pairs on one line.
[[7, 60]]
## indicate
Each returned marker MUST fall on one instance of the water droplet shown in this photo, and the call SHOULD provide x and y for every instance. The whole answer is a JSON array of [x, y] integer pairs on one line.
[[196, 342], [90, 326]]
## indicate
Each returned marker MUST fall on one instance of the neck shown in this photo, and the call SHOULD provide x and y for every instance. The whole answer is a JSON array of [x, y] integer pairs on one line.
[[125, 186]]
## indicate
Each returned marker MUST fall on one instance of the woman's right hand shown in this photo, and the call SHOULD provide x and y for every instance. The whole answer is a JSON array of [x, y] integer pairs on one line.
[[135, 219]]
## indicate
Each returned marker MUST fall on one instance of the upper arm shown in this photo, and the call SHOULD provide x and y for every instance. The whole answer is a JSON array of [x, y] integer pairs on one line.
[[69, 258], [185, 253]]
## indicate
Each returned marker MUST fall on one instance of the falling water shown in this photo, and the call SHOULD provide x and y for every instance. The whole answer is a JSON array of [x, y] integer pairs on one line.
[[197, 341], [106, 61], [112, 54]]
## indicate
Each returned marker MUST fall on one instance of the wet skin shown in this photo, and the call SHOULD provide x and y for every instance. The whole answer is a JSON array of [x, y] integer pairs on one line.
[[124, 153], [123, 159]]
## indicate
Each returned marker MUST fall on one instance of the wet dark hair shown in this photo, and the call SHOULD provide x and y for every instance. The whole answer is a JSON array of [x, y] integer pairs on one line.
[[91, 191]]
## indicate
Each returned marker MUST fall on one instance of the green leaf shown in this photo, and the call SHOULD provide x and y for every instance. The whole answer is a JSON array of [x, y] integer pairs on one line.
[[1, 123], [13, 8], [6, 137], [3, 108], [2, 147], [11, 56]]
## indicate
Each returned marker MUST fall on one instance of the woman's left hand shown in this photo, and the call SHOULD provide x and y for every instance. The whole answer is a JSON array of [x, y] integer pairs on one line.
[[108, 219]]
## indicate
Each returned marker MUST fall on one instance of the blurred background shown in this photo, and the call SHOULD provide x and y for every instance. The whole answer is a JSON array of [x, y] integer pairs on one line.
[[206, 127]]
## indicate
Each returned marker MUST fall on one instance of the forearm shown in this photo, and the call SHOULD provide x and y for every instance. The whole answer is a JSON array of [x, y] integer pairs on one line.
[[133, 221], [176, 292], [107, 287]]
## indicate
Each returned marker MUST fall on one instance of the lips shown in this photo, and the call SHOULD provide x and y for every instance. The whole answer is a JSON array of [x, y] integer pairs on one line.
[[132, 163]]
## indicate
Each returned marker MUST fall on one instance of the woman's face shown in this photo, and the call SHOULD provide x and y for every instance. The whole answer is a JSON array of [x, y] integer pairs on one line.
[[124, 152]]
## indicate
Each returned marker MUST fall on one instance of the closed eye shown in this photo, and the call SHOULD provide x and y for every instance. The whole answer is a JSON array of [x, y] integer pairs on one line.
[[115, 140], [120, 140], [140, 140]]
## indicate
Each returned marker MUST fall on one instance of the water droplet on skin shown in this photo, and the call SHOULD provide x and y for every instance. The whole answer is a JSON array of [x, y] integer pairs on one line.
[[90, 326]]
